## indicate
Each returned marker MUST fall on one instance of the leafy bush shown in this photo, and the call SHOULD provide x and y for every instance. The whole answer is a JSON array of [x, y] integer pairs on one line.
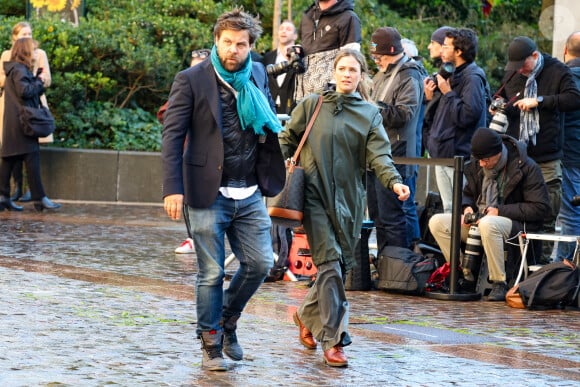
[[113, 71]]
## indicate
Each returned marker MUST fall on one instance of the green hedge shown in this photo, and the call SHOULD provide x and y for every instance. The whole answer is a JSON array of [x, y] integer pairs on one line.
[[113, 71]]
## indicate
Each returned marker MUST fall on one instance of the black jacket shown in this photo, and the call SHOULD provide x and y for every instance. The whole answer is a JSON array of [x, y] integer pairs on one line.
[[21, 88], [557, 87], [459, 113], [195, 111], [571, 148], [525, 196], [329, 29]]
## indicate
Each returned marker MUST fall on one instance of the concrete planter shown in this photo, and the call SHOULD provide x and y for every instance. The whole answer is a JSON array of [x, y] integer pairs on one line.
[[100, 175]]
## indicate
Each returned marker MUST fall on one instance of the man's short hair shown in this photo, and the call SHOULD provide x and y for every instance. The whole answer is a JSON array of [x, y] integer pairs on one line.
[[573, 44], [238, 20], [464, 39]]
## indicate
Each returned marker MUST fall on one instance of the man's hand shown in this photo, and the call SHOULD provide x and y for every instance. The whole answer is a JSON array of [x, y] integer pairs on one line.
[[443, 84], [429, 87], [402, 191], [526, 104], [173, 205]]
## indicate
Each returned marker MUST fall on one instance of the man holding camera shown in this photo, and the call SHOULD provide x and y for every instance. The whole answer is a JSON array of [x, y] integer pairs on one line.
[[506, 189], [543, 88], [462, 106], [282, 83], [398, 92]]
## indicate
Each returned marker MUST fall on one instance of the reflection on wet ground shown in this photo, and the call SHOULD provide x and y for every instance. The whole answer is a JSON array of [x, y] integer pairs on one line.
[[94, 295]]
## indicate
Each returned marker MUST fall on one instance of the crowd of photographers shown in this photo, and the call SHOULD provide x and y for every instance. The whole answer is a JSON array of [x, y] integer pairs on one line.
[[527, 119]]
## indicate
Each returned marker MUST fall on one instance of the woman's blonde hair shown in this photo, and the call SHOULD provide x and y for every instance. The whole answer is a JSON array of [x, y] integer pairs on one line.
[[23, 51], [363, 85], [17, 28]]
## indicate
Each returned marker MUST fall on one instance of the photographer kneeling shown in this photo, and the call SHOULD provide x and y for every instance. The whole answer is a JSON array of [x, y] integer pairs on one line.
[[507, 189]]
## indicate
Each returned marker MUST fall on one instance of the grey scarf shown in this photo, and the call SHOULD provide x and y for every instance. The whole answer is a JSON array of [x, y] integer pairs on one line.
[[530, 120], [489, 188]]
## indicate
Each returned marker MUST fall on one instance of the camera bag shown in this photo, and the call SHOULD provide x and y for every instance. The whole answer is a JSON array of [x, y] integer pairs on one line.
[[404, 270]]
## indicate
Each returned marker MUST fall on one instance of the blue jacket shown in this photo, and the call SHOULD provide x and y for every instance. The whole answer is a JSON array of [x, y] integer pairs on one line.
[[572, 125], [459, 113]]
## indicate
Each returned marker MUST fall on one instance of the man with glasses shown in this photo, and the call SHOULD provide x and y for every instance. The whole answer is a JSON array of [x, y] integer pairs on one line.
[[506, 188], [462, 107], [544, 88]]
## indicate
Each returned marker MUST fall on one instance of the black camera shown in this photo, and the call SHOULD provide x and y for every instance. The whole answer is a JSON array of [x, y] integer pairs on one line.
[[295, 61], [472, 217], [446, 71], [499, 122], [576, 200]]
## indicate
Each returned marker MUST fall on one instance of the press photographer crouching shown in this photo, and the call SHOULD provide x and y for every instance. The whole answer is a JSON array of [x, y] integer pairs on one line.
[[506, 190]]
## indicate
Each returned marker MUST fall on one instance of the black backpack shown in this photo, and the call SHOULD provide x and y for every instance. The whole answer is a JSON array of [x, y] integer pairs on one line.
[[554, 286], [404, 270]]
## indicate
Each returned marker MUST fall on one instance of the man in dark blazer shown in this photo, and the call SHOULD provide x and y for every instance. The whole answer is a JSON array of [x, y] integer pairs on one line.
[[230, 160]]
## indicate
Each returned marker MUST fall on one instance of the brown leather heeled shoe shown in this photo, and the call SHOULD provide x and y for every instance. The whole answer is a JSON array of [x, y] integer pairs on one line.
[[305, 335], [335, 357]]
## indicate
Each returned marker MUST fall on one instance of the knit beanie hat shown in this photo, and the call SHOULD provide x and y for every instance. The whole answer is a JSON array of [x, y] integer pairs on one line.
[[439, 34], [485, 143], [386, 41]]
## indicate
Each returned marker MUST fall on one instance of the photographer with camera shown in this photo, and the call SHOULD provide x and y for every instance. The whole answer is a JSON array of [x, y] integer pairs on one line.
[[282, 65], [506, 190], [462, 107], [546, 90], [398, 92]]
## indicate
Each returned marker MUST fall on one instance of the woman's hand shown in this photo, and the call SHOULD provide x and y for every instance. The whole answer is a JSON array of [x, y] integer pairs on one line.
[[402, 191]]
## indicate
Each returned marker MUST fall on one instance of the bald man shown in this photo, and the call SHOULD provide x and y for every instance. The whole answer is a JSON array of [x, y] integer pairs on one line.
[[570, 214]]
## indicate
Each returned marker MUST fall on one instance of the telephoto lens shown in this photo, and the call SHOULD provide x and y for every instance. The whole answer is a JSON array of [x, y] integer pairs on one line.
[[471, 261]]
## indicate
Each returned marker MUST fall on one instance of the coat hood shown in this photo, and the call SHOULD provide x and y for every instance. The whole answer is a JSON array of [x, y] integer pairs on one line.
[[339, 7]]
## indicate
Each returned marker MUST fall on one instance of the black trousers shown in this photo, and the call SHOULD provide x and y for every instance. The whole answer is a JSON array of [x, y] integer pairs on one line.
[[32, 164]]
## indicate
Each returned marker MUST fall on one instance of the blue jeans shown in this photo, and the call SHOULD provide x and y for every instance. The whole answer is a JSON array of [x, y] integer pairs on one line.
[[410, 209], [386, 211], [247, 226], [569, 214]]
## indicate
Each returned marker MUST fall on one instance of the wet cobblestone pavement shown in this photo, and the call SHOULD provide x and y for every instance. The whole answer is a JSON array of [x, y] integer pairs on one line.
[[93, 295]]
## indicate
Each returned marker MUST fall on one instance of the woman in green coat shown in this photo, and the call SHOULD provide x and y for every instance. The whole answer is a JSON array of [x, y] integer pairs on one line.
[[346, 138]]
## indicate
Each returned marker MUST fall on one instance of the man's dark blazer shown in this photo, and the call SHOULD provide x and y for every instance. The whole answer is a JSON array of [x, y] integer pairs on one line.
[[194, 112]]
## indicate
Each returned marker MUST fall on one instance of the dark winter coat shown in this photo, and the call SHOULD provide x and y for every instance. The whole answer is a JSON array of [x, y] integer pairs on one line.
[[459, 113], [21, 88], [400, 107], [571, 148], [347, 136], [195, 111], [556, 85], [330, 29], [525, 196]]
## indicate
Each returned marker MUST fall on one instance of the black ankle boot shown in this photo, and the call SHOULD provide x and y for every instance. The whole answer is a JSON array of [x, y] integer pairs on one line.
[[45, 203], [7, 203]]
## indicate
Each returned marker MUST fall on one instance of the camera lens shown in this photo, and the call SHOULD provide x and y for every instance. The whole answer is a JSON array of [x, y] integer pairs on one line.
[[277, 69], [576, 200], [447, 69]]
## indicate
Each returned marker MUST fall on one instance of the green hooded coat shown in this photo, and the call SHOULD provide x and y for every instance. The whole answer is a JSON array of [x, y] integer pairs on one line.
[[346, 138]]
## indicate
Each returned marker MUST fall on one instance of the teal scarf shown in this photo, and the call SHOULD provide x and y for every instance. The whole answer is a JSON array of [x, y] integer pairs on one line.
[[252, 105]]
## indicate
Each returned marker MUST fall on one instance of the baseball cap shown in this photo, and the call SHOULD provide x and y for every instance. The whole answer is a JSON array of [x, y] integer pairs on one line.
[[519, 49]]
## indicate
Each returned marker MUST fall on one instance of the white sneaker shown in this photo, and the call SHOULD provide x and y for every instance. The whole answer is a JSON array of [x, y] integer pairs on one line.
[[186, 247]]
